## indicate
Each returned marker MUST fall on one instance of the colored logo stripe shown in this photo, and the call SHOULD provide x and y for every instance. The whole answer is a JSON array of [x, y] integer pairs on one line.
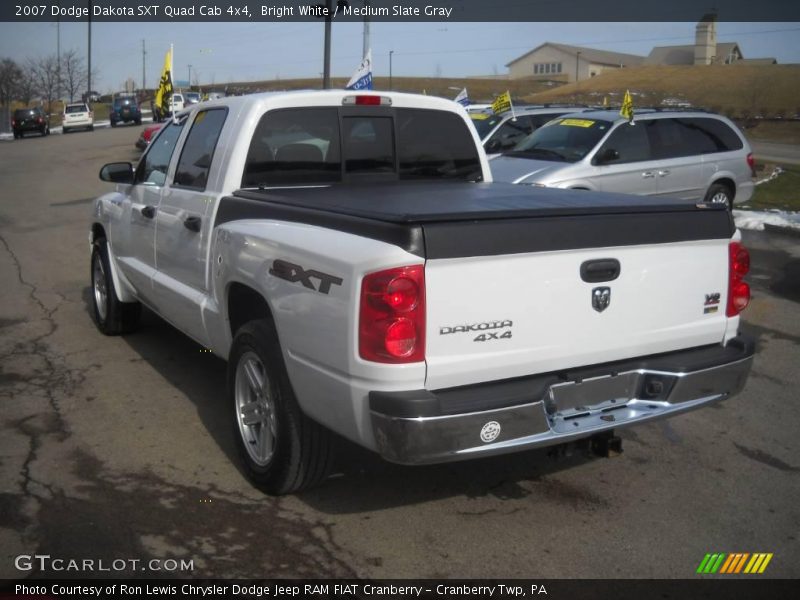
[[734, 563]]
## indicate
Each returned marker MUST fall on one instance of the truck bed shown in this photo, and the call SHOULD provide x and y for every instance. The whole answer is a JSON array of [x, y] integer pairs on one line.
[[450, 220]]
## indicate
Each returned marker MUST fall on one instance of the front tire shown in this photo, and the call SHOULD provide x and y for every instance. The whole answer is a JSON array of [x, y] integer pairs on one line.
[[283, 450], [111, 316], [719, 193]]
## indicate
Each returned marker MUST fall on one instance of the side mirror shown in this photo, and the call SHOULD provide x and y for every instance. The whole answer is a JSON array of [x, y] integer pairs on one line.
[[493, 145], [119, 172], [605, 156]]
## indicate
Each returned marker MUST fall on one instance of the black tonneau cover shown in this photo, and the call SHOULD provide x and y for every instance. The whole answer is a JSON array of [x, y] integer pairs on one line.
[[449, 220]]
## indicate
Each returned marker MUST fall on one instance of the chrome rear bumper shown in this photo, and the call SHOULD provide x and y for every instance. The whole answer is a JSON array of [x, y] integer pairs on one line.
[[561, 410]]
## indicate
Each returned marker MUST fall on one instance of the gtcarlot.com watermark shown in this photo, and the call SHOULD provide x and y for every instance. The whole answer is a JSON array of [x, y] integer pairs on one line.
[[44, 563]]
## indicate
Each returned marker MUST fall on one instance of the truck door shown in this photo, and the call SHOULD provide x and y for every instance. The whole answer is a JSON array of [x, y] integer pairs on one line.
[[183, 227], [136, 251]]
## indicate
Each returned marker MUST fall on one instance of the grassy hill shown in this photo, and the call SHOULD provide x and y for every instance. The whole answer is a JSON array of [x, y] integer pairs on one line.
[[735, 90], [480, 90]]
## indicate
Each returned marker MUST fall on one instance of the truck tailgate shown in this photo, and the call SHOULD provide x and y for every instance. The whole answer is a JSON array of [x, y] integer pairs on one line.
[[505, 316]]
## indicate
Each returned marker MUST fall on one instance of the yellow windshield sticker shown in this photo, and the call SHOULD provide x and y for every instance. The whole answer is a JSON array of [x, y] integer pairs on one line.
[[577, 122], [479, 116]]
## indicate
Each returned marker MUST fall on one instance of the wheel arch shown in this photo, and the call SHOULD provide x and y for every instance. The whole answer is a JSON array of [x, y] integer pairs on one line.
[[243, 304], [122, 286], [728, 182]]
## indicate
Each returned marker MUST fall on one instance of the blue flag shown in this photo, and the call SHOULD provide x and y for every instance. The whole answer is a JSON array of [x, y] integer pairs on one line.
[[362, 78], [463, 98]]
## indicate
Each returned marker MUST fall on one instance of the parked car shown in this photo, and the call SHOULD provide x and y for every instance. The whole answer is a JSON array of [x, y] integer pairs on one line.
[[124, 109], [77, 116], [177, 102], [26, 120], [147, 135], [294, 236], [687, 154], [192, 98], [91, 96], [500, 133]]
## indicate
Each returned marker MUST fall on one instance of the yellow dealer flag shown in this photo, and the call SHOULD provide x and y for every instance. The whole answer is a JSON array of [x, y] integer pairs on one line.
[[502, 103], [164, 92], [627, 107]]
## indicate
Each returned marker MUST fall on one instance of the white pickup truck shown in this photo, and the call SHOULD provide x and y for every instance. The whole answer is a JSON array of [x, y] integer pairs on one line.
[[349, 257]]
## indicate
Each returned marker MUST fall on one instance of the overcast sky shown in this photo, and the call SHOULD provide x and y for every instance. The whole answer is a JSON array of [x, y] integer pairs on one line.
[[225, 52]]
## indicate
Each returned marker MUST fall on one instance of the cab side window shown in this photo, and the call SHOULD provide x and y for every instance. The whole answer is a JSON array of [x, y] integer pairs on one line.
[[198, 151], [631, 142], [153, 167]]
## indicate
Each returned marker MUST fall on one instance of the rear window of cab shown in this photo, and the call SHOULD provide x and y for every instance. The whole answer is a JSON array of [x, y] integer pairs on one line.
[[301, 146]]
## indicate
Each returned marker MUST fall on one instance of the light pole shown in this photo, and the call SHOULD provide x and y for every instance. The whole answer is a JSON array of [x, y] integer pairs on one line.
[[390, 69], [190, 77], [326, 66]]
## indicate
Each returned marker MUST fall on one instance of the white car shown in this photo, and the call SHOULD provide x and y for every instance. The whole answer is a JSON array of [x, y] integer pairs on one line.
[[177, 103], [77, 116]]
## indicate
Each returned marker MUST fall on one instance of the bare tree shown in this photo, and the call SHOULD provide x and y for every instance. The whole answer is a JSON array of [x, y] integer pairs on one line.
[[73, 73], [26, 86], [10, 74], [10, 77], [45, 74]]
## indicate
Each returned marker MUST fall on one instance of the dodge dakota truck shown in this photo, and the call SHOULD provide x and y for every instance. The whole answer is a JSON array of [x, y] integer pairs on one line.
[[350, 258]]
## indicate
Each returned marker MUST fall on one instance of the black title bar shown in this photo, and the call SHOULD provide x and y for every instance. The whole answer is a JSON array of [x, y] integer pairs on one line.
[[732, 588], [397, 10]]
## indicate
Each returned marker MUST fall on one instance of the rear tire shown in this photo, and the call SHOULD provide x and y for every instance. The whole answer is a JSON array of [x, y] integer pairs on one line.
[[111, 316], [719, 193], [282, 449]]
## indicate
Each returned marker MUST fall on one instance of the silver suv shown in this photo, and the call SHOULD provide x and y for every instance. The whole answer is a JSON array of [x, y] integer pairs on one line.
[[500, 133], [693, 155]]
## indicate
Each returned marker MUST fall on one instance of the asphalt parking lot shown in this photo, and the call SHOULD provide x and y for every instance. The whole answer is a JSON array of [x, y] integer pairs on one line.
[[120, 447]]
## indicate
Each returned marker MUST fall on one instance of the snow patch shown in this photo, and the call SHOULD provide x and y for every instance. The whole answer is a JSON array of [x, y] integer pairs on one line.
[[752, 219]]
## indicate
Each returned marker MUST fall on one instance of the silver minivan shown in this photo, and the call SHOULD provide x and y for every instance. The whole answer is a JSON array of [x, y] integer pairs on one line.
[[692, 155]]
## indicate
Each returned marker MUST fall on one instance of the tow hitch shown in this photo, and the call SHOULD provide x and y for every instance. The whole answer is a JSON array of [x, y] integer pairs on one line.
[[606, 444]]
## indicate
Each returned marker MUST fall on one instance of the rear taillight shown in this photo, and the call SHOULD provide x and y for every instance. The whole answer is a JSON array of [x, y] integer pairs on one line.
[[13, 122], [751, 162], [738, 289], [391, 323], [39, 120]]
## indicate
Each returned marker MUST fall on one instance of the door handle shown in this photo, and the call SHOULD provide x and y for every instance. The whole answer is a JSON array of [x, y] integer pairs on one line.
[[604, 269], [148, 211], [663, 173], [193, 223], [648, 175]]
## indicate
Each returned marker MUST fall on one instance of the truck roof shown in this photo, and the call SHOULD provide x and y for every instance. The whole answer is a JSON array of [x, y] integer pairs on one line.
[[295, 98]]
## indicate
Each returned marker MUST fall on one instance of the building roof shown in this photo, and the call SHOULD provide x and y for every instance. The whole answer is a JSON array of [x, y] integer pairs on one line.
[[603, 57], [684, 55], [671, 55]]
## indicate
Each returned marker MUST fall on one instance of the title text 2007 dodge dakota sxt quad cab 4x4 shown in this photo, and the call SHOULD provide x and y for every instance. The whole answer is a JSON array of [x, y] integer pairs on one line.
[[350, 258]]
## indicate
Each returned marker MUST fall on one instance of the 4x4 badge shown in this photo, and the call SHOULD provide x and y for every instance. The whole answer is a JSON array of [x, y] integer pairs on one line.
[[601, 298]]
